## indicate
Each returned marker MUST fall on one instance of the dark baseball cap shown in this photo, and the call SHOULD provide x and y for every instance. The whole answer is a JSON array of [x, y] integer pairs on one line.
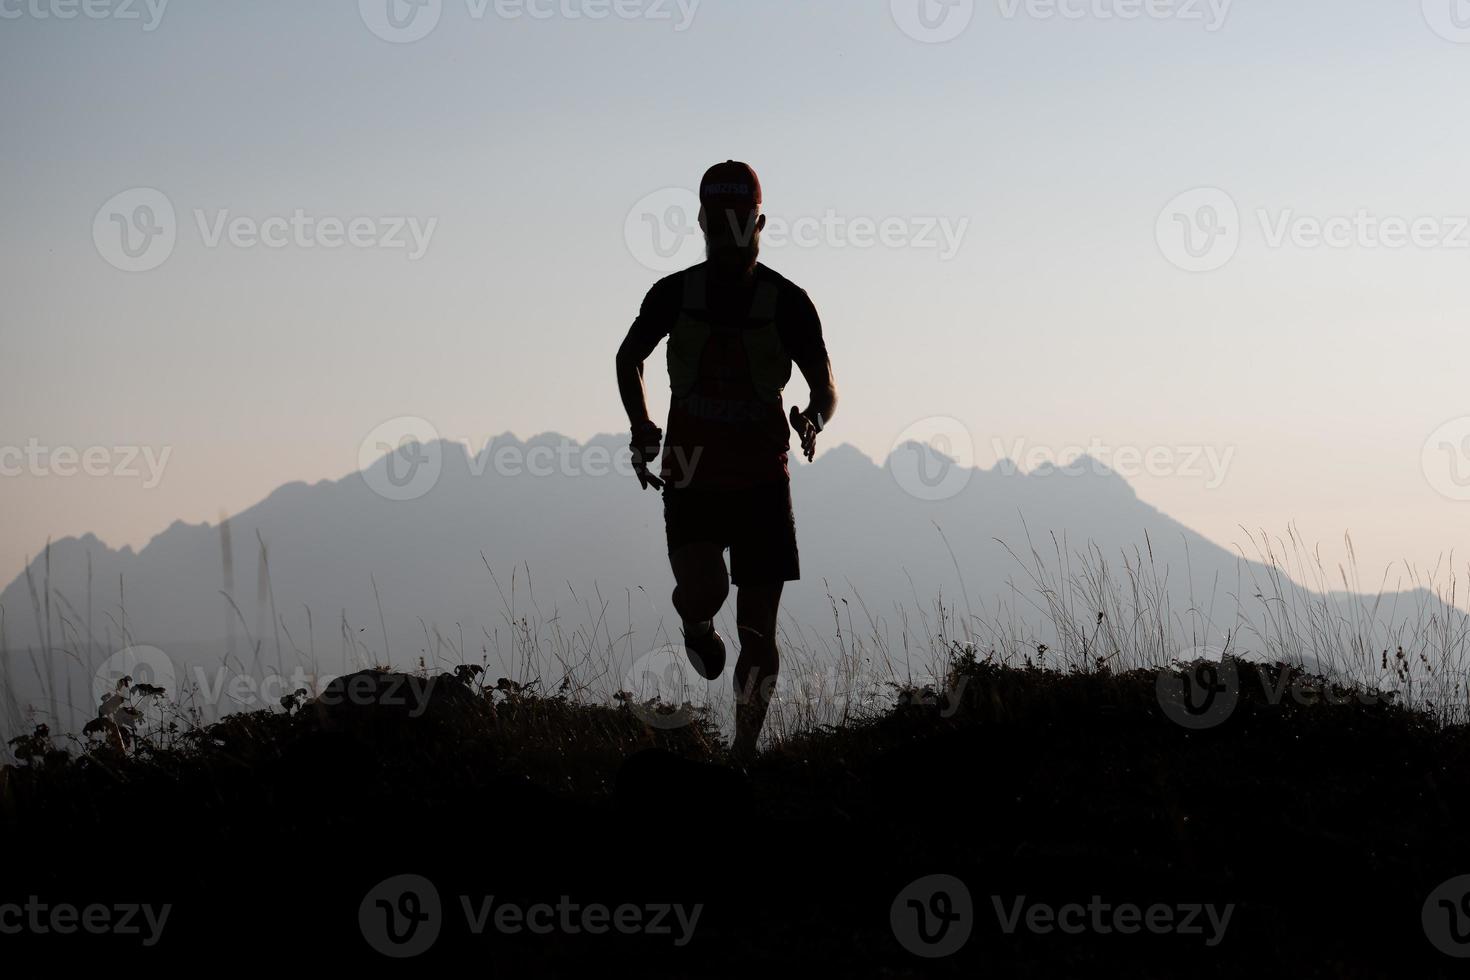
[[732, 186]]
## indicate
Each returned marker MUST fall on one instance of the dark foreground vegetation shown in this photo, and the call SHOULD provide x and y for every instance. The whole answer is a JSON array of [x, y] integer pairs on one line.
[[1324, 827]]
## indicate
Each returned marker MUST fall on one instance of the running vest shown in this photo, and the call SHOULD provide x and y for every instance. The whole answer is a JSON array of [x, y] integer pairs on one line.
[[727, 428], [770, 364]]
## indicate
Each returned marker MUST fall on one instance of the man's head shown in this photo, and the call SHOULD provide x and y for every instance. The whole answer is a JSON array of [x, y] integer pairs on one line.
[[730, 215]]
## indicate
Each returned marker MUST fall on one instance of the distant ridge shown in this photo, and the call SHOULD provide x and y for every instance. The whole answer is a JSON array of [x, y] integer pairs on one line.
[[559, 513]]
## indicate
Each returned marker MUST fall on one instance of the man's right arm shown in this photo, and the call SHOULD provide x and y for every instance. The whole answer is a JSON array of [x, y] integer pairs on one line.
[[654, 321], [653, 324]]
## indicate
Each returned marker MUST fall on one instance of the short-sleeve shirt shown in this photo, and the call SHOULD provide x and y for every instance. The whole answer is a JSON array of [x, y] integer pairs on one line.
[[731, 346]]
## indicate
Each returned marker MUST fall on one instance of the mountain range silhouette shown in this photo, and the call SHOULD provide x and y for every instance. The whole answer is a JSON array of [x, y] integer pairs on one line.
[[450, 569]]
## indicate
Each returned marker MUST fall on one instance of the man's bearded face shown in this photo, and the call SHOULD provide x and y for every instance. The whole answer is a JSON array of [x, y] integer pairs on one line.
[[732, 239]]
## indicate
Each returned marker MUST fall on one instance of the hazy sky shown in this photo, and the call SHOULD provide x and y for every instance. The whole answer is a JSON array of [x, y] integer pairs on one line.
[[522, 151]]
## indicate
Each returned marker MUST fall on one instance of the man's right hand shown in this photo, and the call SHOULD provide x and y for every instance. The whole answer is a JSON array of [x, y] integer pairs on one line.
[[647, 439]]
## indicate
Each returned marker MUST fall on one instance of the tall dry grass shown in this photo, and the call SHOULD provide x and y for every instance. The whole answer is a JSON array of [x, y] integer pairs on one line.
[[1065, 609]]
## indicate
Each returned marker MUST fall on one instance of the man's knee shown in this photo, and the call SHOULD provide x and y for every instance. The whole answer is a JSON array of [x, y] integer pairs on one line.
[[701, 582], [755, 616], [759, 639], [701, 599]]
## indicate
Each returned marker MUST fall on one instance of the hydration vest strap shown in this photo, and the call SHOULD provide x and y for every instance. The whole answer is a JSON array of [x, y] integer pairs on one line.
[[763, 306], [696, 290]]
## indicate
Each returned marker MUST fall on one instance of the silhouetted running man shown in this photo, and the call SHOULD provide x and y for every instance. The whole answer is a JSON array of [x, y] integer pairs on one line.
[[734, 328]]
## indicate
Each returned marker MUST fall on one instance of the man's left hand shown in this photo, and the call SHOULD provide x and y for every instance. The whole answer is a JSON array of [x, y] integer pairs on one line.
[[806, 430]]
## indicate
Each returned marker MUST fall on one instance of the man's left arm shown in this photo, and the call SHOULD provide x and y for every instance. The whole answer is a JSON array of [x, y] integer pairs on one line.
[[809, 351]]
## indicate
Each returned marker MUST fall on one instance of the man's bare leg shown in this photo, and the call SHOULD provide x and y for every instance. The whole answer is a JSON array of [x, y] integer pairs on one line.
[[756, 608], [701, 585]]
